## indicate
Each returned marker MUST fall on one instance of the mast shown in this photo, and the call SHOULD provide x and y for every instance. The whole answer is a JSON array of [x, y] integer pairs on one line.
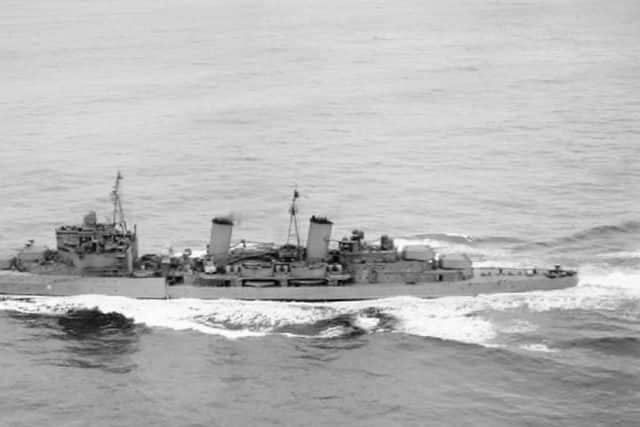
[[293, 221], [118, 212]]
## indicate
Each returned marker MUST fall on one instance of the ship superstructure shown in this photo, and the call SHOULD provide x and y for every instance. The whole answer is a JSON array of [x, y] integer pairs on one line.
[[384, 263], [263, 265], [91, 248], [102, 258]]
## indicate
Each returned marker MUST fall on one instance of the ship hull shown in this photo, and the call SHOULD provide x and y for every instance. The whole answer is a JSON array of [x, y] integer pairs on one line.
[[12, 283], [156, 288]]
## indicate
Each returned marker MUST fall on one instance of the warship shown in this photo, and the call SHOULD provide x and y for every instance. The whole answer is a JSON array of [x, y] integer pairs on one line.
[[102, 258]]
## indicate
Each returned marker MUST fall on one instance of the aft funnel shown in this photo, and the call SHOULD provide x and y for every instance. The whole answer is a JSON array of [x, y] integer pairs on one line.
[[318, 240], [220, 242]]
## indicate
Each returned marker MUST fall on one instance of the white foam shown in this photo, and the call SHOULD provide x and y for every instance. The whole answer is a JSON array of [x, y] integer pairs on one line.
[[620, 279], [596, 290], [518, 326], [448, 318], [366, 323], [444, 318], [333, 332], [620, 254], [464, 236], [174, 314], [542, 348], [465, 319]]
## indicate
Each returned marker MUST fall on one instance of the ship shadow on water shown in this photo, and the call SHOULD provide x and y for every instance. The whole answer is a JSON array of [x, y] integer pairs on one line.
[[89, 338]]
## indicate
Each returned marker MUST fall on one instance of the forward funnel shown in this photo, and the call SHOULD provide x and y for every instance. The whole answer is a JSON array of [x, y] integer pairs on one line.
[[220, 242], [318, 240]]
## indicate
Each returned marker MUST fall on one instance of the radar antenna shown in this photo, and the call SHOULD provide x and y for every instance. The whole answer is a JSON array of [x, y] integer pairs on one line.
[[293, 221], [118, 212]]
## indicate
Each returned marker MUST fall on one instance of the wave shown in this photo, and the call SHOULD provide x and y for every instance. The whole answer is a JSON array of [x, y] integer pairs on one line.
[[621, 255], [457, 245], [443, 237], [610, 236], [90, 320], [614, 246], [345, 325], [607, 231], [598, 232], [463, 240], [542, 348], [615, 345]]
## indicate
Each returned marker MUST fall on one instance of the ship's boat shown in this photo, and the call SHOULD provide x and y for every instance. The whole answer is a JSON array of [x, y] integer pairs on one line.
[[102, 258]]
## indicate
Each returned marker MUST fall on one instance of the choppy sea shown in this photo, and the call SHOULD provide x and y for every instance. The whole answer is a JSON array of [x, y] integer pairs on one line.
[[509, 130]]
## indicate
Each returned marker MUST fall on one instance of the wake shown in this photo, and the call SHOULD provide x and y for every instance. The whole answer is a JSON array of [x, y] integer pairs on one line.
[[463, 319]]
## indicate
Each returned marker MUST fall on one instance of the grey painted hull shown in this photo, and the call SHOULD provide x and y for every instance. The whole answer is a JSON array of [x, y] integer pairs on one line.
[[31, 284], [12, 283]]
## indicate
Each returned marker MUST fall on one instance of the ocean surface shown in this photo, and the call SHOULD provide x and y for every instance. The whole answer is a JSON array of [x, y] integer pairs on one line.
[[509, 130]]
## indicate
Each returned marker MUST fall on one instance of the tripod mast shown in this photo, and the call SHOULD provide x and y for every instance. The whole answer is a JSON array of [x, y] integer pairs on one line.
[[293, 221], [118, 212]]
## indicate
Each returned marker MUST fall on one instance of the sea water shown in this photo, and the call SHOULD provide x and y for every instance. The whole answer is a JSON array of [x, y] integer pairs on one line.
[[508, 130]]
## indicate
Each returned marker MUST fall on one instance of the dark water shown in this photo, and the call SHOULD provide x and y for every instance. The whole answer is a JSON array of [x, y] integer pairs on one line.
[[507, 130]]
